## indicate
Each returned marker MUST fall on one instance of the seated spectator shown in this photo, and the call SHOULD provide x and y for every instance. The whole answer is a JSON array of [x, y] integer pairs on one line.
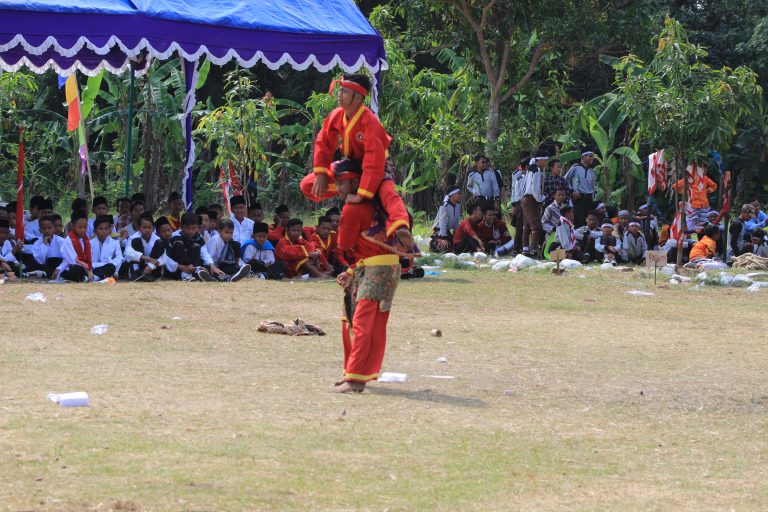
[[225, 252], [335, 215], [202, 221], [608, 245], [758, 245], [706, 248], [175, 209], [243, 226], [9, 265], [212, 228], [123, 215], [300, 256], [76, 264], [165, 262], [277, 228], [325, 241], [106, 256], [215, 207], [10, 211], [446, 222], [46, 251], [551, 217], [565, 236], [635, 244], [137, 210], [587, 235], [100, 208], [602, 214], [671, 246], [58, 225], [143, 252], [255, 212], [648, 225], [189, 252], [259, 253], [492, 231], [466, 239]]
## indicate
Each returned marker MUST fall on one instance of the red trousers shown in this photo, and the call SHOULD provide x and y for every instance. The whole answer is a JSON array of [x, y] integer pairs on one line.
[[364, 346], [397, 215]]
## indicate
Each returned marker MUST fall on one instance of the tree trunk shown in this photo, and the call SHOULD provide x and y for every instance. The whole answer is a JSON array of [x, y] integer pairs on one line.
[[683, 224], [494, 124]]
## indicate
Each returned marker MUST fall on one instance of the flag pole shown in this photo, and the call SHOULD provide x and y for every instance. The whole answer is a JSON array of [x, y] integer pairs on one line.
[[129, 133], [20, 188]]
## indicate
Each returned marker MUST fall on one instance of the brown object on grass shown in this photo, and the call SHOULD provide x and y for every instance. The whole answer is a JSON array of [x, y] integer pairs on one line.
[[296, 328], [436, 333]]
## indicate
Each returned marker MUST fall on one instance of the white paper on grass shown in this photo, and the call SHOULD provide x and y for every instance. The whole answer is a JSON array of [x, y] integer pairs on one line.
[[638, 293], [520, 261], [570, 264], [99, 329], [36, 297], [392, 377], [74, 399], [438, 377]]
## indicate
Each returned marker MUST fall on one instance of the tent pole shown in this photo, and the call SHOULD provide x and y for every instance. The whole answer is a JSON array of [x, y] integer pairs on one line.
[[129, 135]]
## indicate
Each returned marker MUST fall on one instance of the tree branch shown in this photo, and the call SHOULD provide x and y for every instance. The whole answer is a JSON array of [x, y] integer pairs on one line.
[[478, 27], [541, 49]]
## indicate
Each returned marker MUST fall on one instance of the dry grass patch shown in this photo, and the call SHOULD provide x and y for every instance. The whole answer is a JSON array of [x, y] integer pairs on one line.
[[568, 395]]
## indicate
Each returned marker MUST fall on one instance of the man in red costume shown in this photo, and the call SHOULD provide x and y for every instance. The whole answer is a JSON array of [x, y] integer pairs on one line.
[[357, 132], [369, 284]]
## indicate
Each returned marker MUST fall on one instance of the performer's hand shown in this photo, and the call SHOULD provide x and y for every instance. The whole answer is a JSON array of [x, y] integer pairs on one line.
[[353, 199], [320, 185], [344, 279], [216, 270]]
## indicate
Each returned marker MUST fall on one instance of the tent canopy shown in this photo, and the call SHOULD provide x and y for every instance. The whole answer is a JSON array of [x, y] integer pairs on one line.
[[91, 35]]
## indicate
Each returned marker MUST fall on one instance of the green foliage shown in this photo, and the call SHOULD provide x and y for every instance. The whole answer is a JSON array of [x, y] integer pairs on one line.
[[681, 102]]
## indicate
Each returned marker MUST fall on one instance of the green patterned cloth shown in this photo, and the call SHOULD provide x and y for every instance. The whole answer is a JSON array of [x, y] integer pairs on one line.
[[376, 282]]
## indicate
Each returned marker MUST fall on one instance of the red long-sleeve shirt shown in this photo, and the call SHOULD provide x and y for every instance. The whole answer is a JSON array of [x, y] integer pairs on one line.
[[362, 138], [329, 248], [293, 255], [355, 219], [465, 229]]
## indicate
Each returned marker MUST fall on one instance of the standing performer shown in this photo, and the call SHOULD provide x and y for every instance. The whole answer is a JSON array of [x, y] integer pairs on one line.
[[581, 179], [369, 284], [364, 140]]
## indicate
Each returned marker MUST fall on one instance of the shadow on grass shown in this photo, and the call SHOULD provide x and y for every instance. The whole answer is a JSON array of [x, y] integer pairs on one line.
[[427, 395]]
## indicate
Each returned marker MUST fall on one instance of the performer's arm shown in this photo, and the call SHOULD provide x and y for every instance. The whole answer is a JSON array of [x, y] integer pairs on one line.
[[326, 142], [375, 142]]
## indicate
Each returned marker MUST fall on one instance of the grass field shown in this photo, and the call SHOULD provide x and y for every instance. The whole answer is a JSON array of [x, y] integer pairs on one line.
[[568, 394]]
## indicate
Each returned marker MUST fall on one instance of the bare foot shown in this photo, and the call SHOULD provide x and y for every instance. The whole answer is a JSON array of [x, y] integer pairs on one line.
[[349, 387]]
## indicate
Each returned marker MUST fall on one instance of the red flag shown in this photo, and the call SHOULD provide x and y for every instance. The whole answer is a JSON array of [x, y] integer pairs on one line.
[[657, 172], [676, 229], [230, 186], [20, 189], [726, 195]]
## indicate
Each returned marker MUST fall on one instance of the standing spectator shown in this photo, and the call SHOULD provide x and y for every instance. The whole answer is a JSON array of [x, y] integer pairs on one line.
[[482, 183], [554, 182], [581, 178], [699, 192], [517, 196], [446, 222], [533, 197]]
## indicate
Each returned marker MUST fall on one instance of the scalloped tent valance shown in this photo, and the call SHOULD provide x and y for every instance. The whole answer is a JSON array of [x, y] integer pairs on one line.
[[90, 35]]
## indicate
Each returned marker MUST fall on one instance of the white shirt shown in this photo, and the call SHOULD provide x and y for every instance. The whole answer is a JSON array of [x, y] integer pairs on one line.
[[32, 229], [216, 247], [266, 256], [91, 228], [517, 185], [106, 252], [6, 253], [448, 218], [42, 251], [68, 254], [243, 230], [533, 184]]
